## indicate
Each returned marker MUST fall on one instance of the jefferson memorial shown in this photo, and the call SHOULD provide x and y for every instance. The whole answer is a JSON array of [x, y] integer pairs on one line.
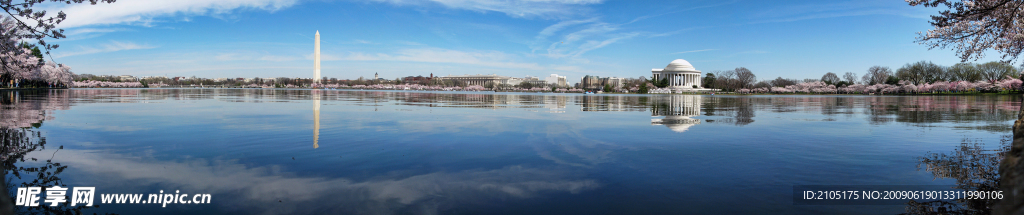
[[680, 74]]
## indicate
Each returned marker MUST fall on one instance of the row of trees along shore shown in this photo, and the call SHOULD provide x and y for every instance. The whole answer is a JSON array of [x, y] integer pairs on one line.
[[107, 81], [912, 78]]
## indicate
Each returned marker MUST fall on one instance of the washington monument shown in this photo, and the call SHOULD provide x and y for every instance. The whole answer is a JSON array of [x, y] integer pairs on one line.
[[316, 58]]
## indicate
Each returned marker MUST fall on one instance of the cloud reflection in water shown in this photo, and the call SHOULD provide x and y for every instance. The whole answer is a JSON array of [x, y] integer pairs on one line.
[[260, 188]]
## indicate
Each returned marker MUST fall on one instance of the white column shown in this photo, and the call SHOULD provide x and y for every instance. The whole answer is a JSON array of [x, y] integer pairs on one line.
[[699, 84]]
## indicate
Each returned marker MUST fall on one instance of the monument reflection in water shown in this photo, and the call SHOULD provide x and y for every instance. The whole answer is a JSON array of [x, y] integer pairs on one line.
[[483, 152], [677, 111], [316, 118]]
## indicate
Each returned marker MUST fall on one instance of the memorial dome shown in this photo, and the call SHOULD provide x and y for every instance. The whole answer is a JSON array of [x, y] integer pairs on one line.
[[679, 65]]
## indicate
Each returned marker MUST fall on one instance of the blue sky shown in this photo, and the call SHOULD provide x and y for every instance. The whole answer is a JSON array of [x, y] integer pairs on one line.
[[397, 38]]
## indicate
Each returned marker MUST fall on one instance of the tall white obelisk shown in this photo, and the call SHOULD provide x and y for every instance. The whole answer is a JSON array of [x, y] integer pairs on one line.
[[316, 93], [316, 59]]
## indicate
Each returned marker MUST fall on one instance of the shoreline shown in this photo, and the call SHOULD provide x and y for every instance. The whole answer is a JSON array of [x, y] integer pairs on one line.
[[718, 93]]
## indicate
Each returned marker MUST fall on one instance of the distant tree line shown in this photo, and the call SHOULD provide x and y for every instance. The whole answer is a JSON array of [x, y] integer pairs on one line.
[[991, 76]]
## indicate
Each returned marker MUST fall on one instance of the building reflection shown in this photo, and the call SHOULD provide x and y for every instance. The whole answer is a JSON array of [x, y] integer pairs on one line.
[[677, 110], [968, 112]]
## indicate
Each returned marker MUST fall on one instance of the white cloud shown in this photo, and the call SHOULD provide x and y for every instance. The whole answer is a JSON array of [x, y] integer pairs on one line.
[[550, 30], [585, 36], [87, 33], [409, 43], [261, 188], [143, 12], [591, 45], [80, 31], [672, 11], [514, 8], [113, 46], [253, 57], [692, 51], [791, 13], [749, 52], [435, 55]]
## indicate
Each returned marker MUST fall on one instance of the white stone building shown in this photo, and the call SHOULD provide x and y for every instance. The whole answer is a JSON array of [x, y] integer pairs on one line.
[[681, 75], [477, 79], [556, 80]]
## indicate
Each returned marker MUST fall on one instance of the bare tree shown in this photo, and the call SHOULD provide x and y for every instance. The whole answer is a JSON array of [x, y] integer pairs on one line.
[[745, 77], [762, 84], [994, 71], [725, 79], [830, 78], [850, 77], [782, 82], [972, 27], [877, 75], [921, 72], [964, 72]]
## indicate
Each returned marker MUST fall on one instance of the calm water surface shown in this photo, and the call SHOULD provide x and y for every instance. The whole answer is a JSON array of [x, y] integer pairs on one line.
[[272, 151]]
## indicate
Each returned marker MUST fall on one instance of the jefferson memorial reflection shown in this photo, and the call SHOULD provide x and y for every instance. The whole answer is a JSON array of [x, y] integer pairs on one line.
[[677, 110]]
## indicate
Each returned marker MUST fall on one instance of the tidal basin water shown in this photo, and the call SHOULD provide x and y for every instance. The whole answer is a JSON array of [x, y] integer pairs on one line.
[[269, 151]]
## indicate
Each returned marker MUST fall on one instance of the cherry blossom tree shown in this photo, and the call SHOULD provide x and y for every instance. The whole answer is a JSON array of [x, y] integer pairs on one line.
[[971, 27], [23, 22]]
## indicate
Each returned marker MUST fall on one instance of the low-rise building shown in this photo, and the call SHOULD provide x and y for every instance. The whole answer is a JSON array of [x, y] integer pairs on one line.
[[613, 82], [556, 80], [127, 78], [477, 79], [589, 82]]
